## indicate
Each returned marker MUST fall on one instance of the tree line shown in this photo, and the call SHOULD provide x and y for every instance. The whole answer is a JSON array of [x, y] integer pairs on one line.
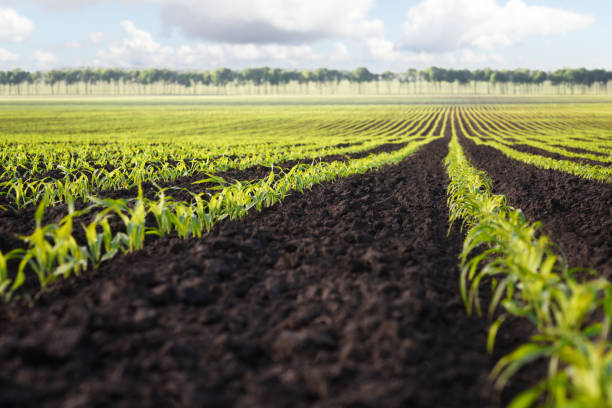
[[271, 77]]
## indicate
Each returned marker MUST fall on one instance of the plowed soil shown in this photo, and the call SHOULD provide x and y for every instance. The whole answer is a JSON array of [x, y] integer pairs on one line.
[[346, 296], [575, 212]]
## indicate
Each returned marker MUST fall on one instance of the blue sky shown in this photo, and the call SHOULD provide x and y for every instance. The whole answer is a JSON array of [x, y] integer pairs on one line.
[[343, 34]]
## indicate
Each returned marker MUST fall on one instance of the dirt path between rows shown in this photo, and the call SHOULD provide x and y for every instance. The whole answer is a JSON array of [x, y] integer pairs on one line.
[[575, 212], [345, 296]]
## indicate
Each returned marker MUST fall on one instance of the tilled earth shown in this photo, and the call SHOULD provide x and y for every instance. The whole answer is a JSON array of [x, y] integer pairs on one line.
[[346, 296]]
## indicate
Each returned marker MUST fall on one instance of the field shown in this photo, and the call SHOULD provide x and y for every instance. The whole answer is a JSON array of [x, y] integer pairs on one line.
[[300, 252]]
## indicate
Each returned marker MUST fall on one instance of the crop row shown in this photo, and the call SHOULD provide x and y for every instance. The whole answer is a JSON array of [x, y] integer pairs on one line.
[[556, 137], [28, 158], [529, 279], [81, 170], [53, 251], [472, 127]]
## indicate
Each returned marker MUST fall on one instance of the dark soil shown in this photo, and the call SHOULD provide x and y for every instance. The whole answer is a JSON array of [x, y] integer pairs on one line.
[[575, 212], [346, 296]]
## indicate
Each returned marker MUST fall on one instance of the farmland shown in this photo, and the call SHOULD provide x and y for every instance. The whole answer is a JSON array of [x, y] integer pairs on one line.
[[439, 253]]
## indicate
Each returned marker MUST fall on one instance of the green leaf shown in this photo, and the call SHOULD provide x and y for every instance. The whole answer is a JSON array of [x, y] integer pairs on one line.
[[527, 398], [109, 255], [20, 278], [493, 333]]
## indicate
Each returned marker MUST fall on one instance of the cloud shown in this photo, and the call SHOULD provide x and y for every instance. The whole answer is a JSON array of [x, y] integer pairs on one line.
[[447, 25], [13, 26], [270, 21], [469, 57], [382, 50], [44, 59], [256, 21], [7, 57], [340, 53], [139, 49], [221, 54], [96, 37]]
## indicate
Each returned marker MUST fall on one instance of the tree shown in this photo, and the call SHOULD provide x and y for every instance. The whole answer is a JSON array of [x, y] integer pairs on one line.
[[387, 76], [222, 77], [361, 75], [149, 80], [539, 77]]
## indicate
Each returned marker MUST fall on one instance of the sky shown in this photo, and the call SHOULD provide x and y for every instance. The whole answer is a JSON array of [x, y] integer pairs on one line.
[[305, 34]]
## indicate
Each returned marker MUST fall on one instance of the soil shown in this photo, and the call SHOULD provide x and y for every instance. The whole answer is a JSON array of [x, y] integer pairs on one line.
[[574, 212], [346, 296]]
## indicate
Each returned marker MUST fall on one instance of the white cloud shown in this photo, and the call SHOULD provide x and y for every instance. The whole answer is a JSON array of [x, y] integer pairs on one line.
[[96, 37], [382, 50], [340, 53], [220, 54], [7, 57], [44, 59], [270, 21], [469, 57], [139, 49], [13, 26], [257, 21], [446, 25]]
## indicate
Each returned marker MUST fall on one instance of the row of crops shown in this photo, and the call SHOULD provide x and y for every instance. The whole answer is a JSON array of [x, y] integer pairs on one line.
[[575, 141], [529, 278], [78, 176], [84, 195]]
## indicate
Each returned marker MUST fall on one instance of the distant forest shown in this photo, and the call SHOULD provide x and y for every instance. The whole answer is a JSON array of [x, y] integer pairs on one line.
[[265, 80]]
